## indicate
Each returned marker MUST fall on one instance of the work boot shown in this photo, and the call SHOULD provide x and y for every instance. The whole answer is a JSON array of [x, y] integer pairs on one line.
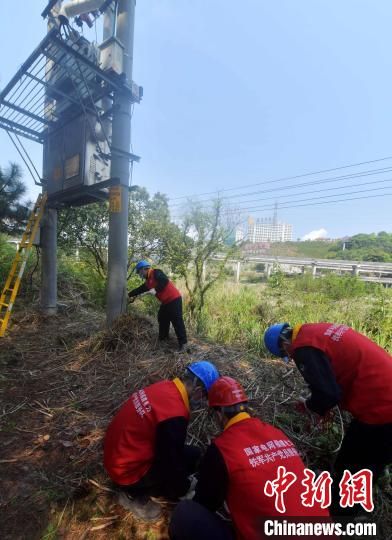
[[141, 507], [184, 348]]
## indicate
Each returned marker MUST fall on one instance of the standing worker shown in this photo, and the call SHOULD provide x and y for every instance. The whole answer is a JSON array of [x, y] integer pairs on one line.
[[170, 310], [235, 470], [343, 367], [144, 447]]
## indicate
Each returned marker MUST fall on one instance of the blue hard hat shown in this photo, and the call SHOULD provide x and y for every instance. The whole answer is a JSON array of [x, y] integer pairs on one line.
[[205, 371], [142, 264], [272, 338]]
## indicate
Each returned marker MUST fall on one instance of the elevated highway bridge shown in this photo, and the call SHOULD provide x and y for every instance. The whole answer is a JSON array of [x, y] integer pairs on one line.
[[368, 271]]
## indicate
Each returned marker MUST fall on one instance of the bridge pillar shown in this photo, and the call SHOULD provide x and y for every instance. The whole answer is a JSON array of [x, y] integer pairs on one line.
[[238, 271], [355, 270], [268, 270], [314, 270]]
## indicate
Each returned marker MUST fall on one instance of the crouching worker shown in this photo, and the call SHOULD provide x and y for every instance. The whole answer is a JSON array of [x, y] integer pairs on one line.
[[343, 367], [170, 297], [144, 447], [235, 470]]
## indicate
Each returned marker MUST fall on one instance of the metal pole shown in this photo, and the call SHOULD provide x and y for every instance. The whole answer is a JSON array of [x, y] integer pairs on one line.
[[48, 242], [49, 262], [121, 141], [108, 23]]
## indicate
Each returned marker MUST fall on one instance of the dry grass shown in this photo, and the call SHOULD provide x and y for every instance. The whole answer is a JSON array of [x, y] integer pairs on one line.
[[63, 378]]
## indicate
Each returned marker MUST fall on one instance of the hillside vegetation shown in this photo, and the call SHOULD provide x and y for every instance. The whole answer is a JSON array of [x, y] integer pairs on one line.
[[376, 247]]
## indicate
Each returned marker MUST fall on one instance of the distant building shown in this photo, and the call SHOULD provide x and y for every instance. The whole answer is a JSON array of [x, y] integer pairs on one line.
[[265, 230], [239, 235]]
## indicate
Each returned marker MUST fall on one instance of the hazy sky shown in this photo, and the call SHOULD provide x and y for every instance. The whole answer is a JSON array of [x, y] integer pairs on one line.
[[239, 93]]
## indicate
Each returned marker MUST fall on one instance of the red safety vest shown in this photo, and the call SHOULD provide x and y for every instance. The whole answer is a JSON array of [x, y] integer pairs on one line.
[[129, 445], [168, 294], [362, 369], [253, 451]]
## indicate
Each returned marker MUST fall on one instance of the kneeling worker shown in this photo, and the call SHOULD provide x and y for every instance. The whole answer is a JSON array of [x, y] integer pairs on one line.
[[144, 447], [235, 470], [170, 297]]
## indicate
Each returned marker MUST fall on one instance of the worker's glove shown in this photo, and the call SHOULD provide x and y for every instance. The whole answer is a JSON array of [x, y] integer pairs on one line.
[[188, 495], [191, 490], [152, 291]]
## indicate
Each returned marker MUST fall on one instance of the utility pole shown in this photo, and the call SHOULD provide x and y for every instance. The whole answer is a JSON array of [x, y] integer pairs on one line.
[[275, 218], [121, 141], [48, 244]]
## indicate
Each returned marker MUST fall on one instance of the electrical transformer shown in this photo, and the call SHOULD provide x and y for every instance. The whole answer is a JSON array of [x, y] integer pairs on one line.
[[73, 157]]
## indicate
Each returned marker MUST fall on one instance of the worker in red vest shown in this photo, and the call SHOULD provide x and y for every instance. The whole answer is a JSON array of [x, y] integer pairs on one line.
[[236, 469], [170, 297], [144, 448], [343, 367]]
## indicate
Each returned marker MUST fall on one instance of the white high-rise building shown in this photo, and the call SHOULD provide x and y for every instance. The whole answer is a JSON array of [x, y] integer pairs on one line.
[[268, 230], [239, 234]]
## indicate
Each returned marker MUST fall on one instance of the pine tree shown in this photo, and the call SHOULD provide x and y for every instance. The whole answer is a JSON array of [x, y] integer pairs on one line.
[[13, 213]]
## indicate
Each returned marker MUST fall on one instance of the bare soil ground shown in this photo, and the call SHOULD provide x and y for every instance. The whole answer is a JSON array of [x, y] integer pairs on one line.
[[63, 378]]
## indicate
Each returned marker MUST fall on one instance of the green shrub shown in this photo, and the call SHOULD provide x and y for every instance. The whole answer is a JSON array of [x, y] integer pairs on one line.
[[237, 314], [79, 278]]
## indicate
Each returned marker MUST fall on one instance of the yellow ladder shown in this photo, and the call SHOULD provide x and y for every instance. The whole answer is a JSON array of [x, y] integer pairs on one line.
[[14, 278]]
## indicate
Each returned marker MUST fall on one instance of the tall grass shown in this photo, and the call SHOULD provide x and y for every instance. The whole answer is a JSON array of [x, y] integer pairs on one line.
[[239, 314]]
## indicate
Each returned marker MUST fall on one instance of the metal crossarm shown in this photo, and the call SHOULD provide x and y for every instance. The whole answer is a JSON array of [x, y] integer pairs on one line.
[[15, 275]]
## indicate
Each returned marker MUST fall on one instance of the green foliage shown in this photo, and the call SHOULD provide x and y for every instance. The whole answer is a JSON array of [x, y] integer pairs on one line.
[[240, 314], [277, 278], [78, 278], [151, 234], [313, 249], [86, 228], [378, 321], [376, 247], [204, 234], [332, 286], [7, 252], [13, 214], [365, 247]]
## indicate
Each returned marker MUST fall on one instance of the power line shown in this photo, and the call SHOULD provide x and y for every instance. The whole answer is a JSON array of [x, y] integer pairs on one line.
[[313, 173], [319, 191], [270, 207], [303, 184], [25, 158]]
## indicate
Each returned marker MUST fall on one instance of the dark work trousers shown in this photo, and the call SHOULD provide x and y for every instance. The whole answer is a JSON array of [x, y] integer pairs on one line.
[[151, 484], [365, 446], [172, 313], [192, 521]]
